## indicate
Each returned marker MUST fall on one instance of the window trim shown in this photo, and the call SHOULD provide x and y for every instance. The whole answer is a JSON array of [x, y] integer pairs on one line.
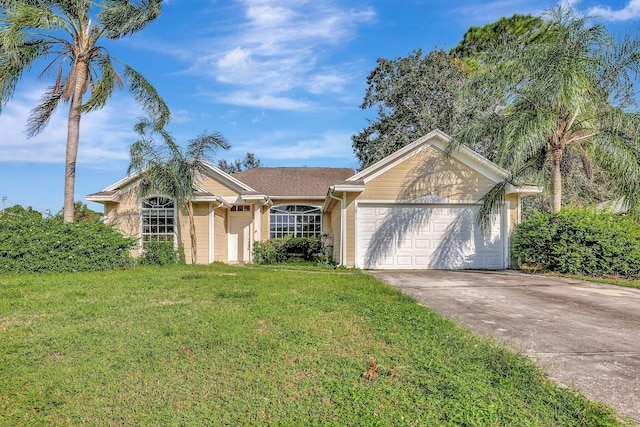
[[279, 233], [141, 210]]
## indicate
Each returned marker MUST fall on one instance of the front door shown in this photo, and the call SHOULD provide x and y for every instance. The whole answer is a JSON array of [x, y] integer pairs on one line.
[[239, 234]]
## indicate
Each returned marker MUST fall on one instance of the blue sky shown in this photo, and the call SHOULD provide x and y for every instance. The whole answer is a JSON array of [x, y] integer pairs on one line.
[[283, 79]]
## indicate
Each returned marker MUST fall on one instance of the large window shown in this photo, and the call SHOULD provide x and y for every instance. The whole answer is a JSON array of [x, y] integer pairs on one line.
[[295, 221], [158, 220]]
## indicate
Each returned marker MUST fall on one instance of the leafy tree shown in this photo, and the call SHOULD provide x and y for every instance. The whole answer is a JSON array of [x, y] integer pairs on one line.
[[249, 162], [412, 95], [65, 34], [517, 30], [166, 169], [19, 210], [82, 213], [417, 94], [566, 92]]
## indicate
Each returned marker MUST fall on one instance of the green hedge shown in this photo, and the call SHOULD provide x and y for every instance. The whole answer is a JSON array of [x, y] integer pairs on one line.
[[159, 253], [29, 243], [580, 241], [293, 249]]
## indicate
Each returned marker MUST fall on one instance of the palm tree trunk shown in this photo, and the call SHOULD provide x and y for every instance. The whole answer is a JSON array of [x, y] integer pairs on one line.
[[556, 181], [192, 233], [73, 136]]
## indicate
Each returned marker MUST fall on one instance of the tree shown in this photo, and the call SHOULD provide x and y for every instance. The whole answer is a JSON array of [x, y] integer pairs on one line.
[[568, 91], [249, 162], [65, 34], [19, 210], [413, 95], [82, 213], [517, 30], [166, 169]]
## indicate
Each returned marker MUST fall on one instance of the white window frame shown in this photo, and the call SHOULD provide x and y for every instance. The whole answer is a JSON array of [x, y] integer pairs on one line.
[[296, 220], [169, 236]]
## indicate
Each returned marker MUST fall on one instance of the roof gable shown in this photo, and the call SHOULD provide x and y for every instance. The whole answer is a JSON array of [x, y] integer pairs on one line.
[[115, 190], [439, 140]]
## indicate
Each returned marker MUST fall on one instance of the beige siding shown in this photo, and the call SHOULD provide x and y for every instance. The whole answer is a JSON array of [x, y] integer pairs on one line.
[[221, 241], [336, 230], [125, 215], [216, 187], [350, 237], [201, 220], [513, 211], [201, 217], [264, 233], [428, 173]]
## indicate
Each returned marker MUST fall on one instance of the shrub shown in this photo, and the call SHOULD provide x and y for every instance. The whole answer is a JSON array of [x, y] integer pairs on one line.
[[30, 243], [159, 253], [580, 241], [291, 249]]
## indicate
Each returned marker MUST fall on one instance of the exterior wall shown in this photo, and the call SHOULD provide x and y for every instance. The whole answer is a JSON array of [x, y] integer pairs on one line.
[[428, 173], [350, 235], [264, 216], [201, 219], [124, 215], [427, 176], [221, 241], [214, 186], [335, 230], [514, 217]]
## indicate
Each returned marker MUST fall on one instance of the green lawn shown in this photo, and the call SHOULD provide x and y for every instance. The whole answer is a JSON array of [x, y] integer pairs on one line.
[[216, 345]]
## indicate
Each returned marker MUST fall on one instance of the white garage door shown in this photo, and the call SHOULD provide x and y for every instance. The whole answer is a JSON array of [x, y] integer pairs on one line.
[[427, 237]]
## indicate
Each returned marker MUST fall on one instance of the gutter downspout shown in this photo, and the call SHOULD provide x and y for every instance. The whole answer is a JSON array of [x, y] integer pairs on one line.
[[342, 223]]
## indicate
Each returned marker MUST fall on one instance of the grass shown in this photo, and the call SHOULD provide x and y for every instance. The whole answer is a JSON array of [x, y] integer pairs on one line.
[[222, 345], [618, 281]]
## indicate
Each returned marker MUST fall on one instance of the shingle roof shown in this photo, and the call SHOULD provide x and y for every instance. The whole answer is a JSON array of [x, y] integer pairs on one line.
[[288, 182]]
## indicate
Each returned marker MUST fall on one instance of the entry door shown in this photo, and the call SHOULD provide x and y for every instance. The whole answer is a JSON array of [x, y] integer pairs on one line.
[[239, 234]]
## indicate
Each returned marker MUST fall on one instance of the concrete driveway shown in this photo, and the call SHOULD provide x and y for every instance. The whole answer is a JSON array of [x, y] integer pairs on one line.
[[583, 334]]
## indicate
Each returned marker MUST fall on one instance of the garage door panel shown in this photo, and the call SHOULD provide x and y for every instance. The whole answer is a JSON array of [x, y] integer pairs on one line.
[[422, 243], [427, 237]]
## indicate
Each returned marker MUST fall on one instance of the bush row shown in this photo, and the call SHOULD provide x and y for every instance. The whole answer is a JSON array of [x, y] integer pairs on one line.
[[293, 249], [580, 241], [30, 243]]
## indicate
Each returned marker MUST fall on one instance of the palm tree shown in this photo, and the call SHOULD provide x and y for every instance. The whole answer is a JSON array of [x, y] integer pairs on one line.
[[63, 34], [569, 91], [165, 169]]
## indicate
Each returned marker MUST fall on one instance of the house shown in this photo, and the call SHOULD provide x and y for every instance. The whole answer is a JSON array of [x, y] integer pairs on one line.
[[415, 209]]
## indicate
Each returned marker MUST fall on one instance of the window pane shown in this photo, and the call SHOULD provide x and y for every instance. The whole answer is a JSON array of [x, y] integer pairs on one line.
[[157, 219], [295, 221]]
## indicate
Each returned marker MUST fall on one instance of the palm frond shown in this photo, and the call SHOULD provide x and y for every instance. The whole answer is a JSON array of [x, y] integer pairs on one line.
[[103, 90], [40, 115], [206, 144], [148, 97], [122, 17], [492, 202]]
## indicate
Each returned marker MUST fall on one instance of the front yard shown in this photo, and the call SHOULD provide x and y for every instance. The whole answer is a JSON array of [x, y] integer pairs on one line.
[[213, 345]]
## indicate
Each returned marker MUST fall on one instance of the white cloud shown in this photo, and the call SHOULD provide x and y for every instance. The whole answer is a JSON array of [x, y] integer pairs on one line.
[[278, 49], [266, 101], [323, 83], [330, 145], [105, 135], [629, 12]]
